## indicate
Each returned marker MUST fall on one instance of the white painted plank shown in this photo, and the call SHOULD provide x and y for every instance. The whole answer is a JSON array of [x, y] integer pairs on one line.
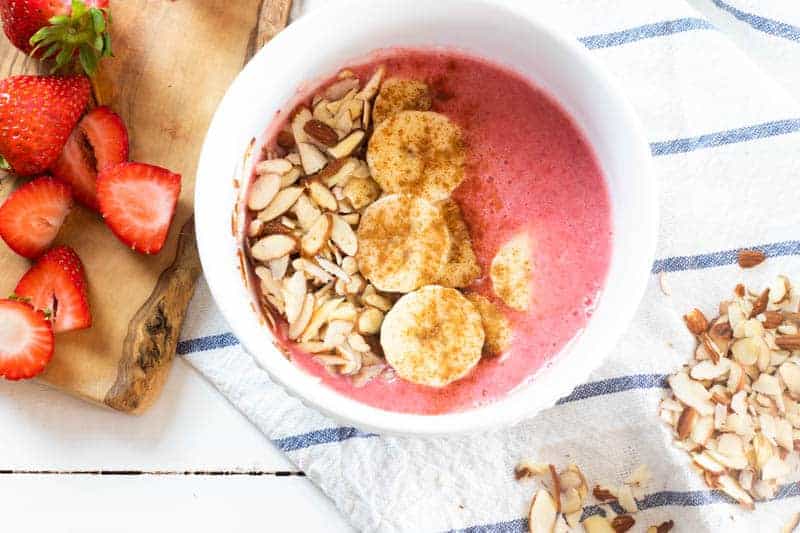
[[191, 427], [125, 504]]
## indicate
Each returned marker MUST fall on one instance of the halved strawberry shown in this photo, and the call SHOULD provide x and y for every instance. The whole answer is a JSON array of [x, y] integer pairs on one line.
[[32, 215], [98, 142], [56, 283], [138, 203], [26, 340]]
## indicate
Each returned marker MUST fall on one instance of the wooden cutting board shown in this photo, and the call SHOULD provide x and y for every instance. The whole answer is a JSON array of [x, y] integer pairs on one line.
[[174, 61]]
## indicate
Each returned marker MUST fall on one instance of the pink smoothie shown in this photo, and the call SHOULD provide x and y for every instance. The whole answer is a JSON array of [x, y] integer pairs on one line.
[[529, 169]]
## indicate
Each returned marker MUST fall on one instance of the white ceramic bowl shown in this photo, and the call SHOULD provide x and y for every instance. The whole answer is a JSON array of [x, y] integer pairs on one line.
[[320, 43]]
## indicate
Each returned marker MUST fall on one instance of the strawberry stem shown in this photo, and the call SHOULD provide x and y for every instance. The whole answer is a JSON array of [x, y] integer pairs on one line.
[[77, 41]]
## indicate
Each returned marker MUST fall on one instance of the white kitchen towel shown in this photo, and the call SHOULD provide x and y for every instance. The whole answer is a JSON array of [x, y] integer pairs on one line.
[[712, 81]]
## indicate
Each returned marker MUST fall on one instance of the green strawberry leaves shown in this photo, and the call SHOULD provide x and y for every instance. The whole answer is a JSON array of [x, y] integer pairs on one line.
[[81, 35]]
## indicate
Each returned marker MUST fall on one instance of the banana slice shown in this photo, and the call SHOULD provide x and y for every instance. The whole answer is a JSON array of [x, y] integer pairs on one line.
[[495, 325], [400, 95], [403, 243], [432, 336], [511, 272], [462, 266], [419, 153]]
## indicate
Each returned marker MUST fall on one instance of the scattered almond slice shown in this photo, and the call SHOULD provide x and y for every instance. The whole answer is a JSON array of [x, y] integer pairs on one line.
[[543, 514], [348, 145], [273, 247], [282, 202], [597, 524]]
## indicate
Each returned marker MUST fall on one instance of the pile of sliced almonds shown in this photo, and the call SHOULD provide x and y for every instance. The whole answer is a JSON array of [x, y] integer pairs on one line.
[[305, 203], [736, 407], [559, 506]]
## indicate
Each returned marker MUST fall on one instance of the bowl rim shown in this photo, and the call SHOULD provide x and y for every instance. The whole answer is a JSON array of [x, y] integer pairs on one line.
[[306, 388]]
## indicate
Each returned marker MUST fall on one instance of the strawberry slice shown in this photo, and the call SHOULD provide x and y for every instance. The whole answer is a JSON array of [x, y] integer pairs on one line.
[[32, 215], [138, 203], [100, 141], [26, 340], [56, 283]]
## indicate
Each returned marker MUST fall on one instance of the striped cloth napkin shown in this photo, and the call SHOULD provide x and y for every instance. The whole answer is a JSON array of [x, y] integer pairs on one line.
[[712, 82]]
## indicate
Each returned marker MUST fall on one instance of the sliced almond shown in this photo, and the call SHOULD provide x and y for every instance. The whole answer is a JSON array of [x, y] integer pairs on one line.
[[316, 237], [377, 300], [788, 342], [626, 499], [306, 212], [751, 258], [775, 468], [369, 321], [337, 331], [339, 89], [298, 122], [320, 131], [343, 235], [312, 270], [706, 370], [322, 196], [313, 160], [297, 327], [686, 422], [273, 247], [696, 321], [731, 487], [736, 378], [333, 268], [282, 202], [274, 166], [703, 430], [294, 293], [279, 266], [707, 463], [338, 172], [530, 469], [290, 178], [597, 524], [767, 384], [263, 191], [346, 146], [320, 316], [373, 84], [747, 350], [346, 311], [543, 514], [790, 374], [357, 342], [571, 501], [779, 289], [692, 393], [622, 523]]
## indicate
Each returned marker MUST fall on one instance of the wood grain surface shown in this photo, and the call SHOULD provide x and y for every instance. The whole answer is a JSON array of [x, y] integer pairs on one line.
[[173, 62]]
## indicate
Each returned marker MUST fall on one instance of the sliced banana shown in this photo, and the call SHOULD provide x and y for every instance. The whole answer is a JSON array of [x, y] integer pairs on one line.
[[399, 94], [495, 325], [462, 266], [511, 272], [403, 243], [419, 153], [432, 336]]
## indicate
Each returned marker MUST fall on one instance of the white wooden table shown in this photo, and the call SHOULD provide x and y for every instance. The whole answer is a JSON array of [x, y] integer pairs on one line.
[[191, 463]]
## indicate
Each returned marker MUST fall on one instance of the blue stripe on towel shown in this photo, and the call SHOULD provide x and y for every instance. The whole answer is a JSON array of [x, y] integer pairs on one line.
[[658, 29], [614, 385], [763, 24], [692, 498], [726, 257], [719, 138], [322, 436], [203, 344]]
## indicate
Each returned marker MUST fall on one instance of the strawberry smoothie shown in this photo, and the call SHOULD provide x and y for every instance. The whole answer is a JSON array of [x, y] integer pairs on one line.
[[529, 169]]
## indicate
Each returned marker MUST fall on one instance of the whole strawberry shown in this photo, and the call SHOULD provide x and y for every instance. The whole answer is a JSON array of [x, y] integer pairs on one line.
[[37, 114], [64, 30]]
